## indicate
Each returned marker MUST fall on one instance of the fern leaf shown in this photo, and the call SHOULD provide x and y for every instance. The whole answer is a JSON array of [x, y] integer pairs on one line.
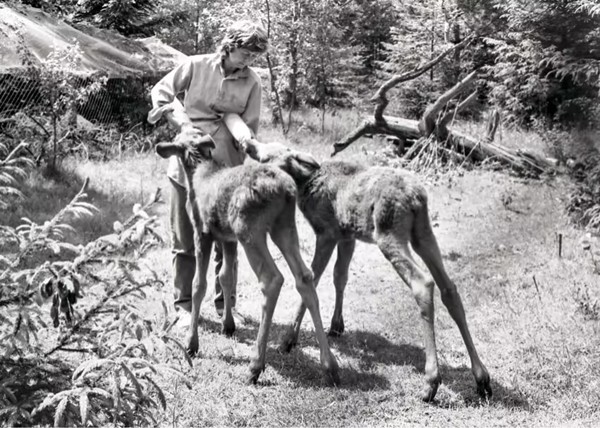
[[138, 363], [181, 347], [101, 393], [116, 394], [84, 404], [87, 366], [60, 412], [138, 388], [8, 393], [159, 392], [7, 412]]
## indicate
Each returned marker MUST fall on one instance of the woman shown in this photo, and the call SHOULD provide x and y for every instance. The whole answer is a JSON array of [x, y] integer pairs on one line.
[[214, 87]]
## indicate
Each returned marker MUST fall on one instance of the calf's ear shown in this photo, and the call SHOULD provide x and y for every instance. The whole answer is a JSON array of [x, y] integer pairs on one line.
[[301, 165], [166, 150], [204, 145]]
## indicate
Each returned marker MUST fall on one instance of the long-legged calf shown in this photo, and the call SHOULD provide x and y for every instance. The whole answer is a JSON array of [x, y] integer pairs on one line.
[[245, 203], [345, 201]]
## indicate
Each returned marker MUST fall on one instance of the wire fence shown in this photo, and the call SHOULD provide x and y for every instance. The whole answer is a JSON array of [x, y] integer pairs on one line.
[[122, 101], [34, 45]]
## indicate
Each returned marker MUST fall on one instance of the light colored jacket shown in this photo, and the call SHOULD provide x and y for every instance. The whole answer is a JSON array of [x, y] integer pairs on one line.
[[208, 96]]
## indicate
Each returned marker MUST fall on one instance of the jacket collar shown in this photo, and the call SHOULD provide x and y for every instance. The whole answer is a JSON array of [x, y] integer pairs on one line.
[[240, 73]]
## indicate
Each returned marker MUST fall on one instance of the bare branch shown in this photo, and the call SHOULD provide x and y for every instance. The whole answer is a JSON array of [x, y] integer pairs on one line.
[[364, 128], [428, 121], [380, 96], [443, 122]]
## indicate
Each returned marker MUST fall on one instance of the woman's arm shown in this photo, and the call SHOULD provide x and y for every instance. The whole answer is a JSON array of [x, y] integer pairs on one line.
[[251, 116], [164, 97]]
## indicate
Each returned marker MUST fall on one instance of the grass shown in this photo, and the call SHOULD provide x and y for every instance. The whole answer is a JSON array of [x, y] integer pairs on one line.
[[498, 236]]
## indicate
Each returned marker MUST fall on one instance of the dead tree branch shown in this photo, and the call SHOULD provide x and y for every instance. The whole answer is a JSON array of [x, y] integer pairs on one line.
[[436, 122], [394, 126]]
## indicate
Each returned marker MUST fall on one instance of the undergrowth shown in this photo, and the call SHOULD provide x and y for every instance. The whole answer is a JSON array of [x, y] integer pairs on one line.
[[584, 202], [75, 346]]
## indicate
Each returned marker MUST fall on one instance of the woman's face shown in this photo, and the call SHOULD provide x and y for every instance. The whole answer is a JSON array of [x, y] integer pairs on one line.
[[241, 57]]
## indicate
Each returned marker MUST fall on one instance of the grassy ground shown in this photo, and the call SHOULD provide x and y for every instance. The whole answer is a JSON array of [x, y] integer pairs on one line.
[[530, 311]]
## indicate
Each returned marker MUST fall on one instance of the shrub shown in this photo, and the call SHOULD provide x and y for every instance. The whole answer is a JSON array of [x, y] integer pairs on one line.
[[77, 345]]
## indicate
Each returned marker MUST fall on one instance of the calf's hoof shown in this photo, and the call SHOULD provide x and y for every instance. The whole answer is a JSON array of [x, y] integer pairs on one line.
[[253, 376], [332, 376], [192, 348], [334, 332], [336, 329], [288, 342], [331, 369], [228, 328], [484, 389], [428, 394]]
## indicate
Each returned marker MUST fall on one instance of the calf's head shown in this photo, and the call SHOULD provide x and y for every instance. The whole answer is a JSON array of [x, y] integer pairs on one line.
[[299, 165], [191, 149]]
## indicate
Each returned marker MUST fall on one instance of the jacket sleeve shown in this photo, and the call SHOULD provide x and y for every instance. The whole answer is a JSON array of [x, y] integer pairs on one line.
[[251, 116], [164, 94]]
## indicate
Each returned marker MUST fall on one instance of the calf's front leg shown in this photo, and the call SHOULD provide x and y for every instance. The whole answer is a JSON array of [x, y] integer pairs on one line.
[[203, 246]]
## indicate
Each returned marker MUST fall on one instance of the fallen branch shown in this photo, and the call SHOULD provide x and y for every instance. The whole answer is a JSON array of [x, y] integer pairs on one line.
[[434, 123]]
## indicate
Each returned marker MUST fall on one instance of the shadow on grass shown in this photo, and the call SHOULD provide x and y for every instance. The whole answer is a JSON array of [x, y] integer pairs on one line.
[[368, 350], [371, 349], [298, 366], [460, 381]]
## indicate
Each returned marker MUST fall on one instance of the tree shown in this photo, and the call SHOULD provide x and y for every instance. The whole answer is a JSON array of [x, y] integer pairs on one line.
[[124, 16], [544, 62], [61, 90], [328, 62], [367, 26]]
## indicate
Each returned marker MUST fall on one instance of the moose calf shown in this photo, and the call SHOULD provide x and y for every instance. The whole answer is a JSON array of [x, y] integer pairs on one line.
[[345, 201], [245, 203]]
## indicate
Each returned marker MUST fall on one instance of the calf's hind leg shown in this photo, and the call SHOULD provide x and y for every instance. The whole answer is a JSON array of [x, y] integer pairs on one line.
[[340, 279], [227, 280], [271, 280], [421, 285], [425, 245], [285, 236]]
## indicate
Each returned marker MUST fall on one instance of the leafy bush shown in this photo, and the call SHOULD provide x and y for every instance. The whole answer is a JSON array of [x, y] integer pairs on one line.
[[584, 202], [77, 345]]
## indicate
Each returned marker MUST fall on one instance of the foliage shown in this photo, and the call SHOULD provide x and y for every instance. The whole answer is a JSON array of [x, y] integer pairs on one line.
[[587, 305], [12, 168], [191, 26], [584, 201], [326, 61], [124, 16], [367, 26], [60, 88], [93, 295], [419, 35], [545, 59]]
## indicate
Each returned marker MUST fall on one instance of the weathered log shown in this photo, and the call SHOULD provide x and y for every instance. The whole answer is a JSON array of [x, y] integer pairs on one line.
[[480, 150], [473, 148], [433, 122]]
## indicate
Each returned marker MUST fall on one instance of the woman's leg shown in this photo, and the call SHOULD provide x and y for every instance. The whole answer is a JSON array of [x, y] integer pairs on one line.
[[182, 247]]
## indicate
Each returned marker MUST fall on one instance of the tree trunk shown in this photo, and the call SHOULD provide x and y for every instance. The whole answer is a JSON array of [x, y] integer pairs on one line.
[[278, 113]]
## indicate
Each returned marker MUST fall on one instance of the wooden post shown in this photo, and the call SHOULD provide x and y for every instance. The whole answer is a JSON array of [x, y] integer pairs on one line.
[[560, 245]]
